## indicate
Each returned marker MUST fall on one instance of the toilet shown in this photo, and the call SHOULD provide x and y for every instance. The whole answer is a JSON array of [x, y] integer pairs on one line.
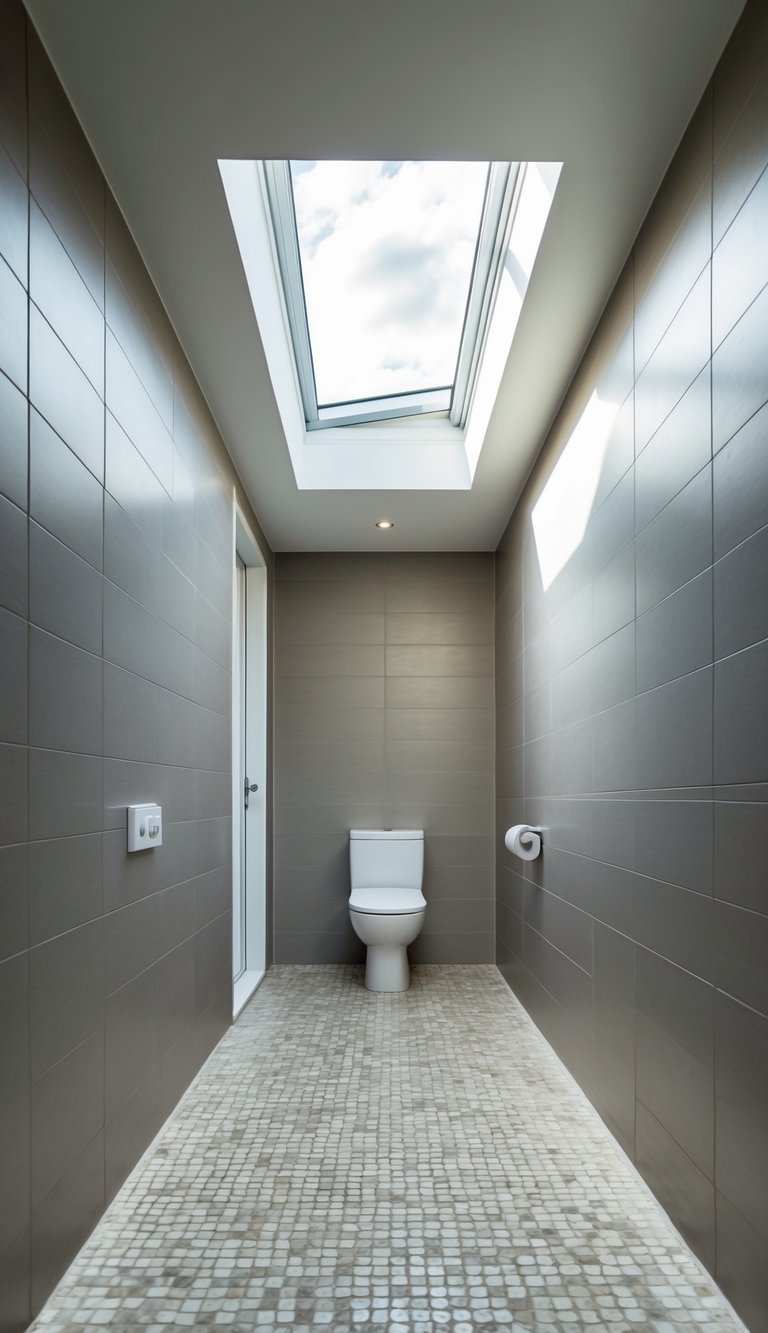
[[386, 905]]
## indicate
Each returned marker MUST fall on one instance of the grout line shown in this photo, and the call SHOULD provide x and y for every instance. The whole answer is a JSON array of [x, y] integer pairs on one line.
[[712, 653], [29, 689], [103, 581]]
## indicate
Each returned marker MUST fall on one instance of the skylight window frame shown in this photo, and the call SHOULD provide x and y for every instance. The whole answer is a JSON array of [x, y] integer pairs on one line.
[[385, 408], [454, 400], [502, 194], [278, 189]]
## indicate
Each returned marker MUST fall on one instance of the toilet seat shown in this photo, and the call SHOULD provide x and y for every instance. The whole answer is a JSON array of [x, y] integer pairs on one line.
[[383, 901]]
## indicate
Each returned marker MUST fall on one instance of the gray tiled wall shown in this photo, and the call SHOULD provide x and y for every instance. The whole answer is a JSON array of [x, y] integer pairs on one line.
[[115, 605], [632, 705], [383, 718]]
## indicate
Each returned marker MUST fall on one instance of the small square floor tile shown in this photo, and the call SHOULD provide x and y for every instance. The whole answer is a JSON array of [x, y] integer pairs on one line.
[[405, 1163]]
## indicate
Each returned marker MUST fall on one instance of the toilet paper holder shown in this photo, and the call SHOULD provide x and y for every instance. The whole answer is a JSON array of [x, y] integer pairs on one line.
[[524, 840]]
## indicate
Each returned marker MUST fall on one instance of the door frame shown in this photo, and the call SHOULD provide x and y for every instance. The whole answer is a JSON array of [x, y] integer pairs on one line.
[[246, 546]]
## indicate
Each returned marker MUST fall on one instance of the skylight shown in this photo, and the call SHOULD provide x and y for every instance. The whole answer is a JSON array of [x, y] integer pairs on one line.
[[429, 435], [386, 255], [388, 271]]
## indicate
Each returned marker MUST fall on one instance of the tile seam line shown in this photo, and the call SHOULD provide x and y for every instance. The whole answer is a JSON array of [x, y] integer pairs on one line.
[[28, 1283], [713, 636]]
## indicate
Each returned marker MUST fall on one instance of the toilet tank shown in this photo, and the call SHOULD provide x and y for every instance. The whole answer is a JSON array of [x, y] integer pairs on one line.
[[386, 858]]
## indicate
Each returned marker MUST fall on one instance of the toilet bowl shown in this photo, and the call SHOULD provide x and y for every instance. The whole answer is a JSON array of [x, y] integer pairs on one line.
[[386, 905]]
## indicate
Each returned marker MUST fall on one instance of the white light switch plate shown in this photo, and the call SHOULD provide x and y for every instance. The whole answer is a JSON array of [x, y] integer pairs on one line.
[[145, 827]]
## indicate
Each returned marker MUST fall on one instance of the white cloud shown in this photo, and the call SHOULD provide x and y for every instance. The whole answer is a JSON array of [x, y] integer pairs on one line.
[[387, 251]]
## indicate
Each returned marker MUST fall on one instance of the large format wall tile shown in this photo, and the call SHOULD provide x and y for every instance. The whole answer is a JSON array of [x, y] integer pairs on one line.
[[67, 1114], [680, 356], [675, 637], [674, 1059], [63, 395], [62, 297], [741, 1269], [66, 994], [741, 717], [740, 485], [65, 695], [740, 265], [14, 451], [65, 592], [677, 545], [685, 1192], [56, 193], [14, 1109], [14, 318], [741, 853], [65, 1219], [741, 596], [740, 372], [631, 715], [115, 605], [14, 240], [614, 1019], [65, 498]]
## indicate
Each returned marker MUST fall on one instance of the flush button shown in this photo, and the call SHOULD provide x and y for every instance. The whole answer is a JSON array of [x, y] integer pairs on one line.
[[145, 827]]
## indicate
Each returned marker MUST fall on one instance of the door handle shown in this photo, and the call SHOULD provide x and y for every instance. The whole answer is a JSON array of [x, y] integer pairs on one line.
[[247, 789]]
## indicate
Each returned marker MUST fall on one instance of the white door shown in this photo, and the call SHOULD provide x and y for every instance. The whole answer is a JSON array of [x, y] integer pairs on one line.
[[239, 763], [249, 765]]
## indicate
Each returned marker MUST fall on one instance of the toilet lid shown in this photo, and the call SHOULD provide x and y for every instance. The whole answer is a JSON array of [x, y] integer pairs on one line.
[[387, 902]]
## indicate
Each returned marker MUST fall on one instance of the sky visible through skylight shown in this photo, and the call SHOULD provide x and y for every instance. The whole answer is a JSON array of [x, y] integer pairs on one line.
[[386, 252]]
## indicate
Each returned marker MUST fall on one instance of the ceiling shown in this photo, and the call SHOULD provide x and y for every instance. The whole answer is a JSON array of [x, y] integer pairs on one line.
[[165, 89]]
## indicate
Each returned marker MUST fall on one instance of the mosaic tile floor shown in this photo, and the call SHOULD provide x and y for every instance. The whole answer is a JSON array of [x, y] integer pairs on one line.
[[409, 1163]]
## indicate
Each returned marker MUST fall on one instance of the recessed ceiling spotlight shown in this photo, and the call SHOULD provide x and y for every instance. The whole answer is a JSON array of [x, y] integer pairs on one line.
[[384, 523]]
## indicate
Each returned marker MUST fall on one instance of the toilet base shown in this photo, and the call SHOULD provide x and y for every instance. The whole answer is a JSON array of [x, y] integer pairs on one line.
[[386, 967]]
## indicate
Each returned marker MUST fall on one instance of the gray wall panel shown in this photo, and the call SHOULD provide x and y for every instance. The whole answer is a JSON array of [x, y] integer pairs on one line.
[[384, 688], [115, 543], [655, 655]]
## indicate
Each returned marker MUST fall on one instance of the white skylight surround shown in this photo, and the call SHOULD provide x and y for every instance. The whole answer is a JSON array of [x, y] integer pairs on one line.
[[393, 448], [387, 250]]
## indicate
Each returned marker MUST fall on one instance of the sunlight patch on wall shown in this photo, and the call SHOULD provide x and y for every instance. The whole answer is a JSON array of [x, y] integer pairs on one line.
[[562, 511]]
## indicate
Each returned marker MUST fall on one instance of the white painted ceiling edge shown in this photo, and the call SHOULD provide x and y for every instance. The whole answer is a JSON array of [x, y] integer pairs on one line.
[[165, 91]]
